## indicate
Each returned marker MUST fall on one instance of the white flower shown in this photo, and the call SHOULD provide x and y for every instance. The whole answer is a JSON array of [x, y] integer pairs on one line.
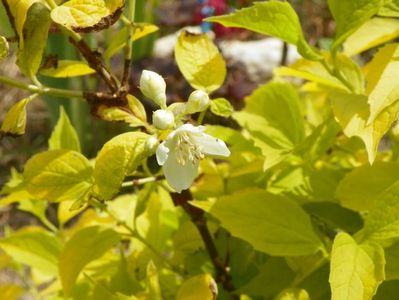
[[163, 119], [153, 86], [182, 151], [197, 101]]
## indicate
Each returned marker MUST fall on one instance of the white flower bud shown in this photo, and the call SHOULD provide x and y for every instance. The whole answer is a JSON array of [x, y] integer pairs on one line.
[[152, 144], [197, 101], [153, 86], [163, 119]]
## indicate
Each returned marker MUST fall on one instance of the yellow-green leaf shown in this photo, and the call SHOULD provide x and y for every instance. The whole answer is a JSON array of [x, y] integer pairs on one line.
[[270, 223], [382, 85], [293, 294], [87, 15], [275, 18], [273, 117], [64, 136], [35, 32], [350, 15], [36, 248], [221, 107], [389, 9], [119, 40], [58, 175], [14, 122], [85, 246], [3, 48], [198, 287], [352, 113], [68, 68], [118, 158], [200, 61], [355, 274], [371, 34], [11, 291], [19, 10], [378, 178]]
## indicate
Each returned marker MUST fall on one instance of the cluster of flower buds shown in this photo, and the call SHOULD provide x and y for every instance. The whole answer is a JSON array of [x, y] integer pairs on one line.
[[185, 144]]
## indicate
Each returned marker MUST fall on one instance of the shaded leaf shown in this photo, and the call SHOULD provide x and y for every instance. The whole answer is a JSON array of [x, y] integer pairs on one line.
[[14, 122]]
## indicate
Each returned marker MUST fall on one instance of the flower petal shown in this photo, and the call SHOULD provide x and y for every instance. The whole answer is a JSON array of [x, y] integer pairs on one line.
[[211, 145], [179, 177], [162, 154]]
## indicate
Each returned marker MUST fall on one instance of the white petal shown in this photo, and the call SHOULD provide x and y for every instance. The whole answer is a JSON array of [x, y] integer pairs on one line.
[[211, 145], [179, 177], [162, 154]]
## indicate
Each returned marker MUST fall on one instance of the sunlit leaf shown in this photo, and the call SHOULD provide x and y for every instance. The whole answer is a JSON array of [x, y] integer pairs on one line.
[[273, 117], [11, 291], [350, 15], [371, 34], [64, 136], [356, 271], [85, 246], [198, 287], [35, 248], [273, 18], [221, 107], [200, 61], [14, 122], [58, 175], [3, 48], [87, 15], [270, 223], [118, 158], [68, 68]]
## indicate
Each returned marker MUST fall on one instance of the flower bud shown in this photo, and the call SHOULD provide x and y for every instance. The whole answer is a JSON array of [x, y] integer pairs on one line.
[[153, 86], [197, 101], [152, 144], [163, 119]]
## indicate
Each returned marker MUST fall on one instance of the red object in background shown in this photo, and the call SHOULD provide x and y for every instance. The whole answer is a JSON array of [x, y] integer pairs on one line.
[[214, 8]]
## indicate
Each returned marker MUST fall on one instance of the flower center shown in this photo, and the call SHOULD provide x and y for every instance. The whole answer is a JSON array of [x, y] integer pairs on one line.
[[187, 150]]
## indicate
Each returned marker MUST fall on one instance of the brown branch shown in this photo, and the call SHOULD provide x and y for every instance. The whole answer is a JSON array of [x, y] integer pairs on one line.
[[284, 55], [95, 62], [126, 73], [197, 216]]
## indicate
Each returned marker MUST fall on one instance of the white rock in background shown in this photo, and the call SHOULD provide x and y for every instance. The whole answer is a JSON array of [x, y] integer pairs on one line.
[[259, 57]]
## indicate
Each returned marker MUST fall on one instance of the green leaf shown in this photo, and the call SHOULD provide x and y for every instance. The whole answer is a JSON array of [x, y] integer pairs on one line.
[[273, 276], [118, 158], [11, 292], [87, 15], [35, 248], [64, 135], [85, 246], [3, 48], [270, 223], [35, 32], [382, 86], [221, 107], [272, 116], [293, 294], [378, 178], [392, 262], [335, 216], [273, 18], [382, 222], [201, 287], [371, 34], [352, 113], [119, 40], [19, 11], [355, 274], [58, 175], [350, 15], [200, 61], [389, 9], [67, 68], [14, 122]]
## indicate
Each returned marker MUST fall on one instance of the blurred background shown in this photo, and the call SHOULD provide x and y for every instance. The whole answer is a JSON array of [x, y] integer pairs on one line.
[[250, 59]]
